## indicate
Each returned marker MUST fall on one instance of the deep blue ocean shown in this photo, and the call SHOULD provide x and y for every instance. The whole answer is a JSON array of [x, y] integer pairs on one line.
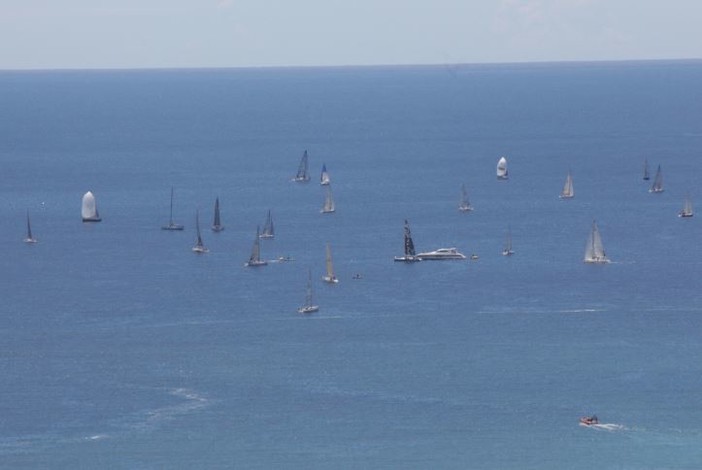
[[120, 348]]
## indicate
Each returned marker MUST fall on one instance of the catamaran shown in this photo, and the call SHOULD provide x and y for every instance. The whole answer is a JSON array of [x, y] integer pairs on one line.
[[464, 203], [255, 258], [29, 238], [507, 250], [646, 175], [217, 223], [330, 276], [567, 192], [89, 210], [657, 186], [268, 230], [687, 208], [502, 173], [324, 179], [410, 255], [199, 246], [328, 202], [172, 225], [303, 170], [594, 250], [309, 306]]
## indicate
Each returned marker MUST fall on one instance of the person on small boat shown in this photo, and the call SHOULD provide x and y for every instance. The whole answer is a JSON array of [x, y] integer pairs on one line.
[[589, 420]]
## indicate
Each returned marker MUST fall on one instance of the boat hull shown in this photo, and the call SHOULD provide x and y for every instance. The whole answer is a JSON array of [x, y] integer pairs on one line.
[[308, 309], [171, 227], [92, 219], [407, 259], [441, 254], [217, 228], [254, 264], [330, 279]]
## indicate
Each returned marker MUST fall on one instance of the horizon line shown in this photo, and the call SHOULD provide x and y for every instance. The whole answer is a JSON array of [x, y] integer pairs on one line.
[[357, 66]]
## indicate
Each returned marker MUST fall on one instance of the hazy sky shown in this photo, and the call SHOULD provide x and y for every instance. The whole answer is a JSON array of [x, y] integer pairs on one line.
[[240, 33]]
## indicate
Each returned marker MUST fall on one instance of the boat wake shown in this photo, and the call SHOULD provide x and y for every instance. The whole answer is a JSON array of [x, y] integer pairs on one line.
[[605, 427]]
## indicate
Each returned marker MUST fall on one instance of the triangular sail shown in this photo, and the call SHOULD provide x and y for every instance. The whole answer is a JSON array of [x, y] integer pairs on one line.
[[409, 244], [324, 177], [330, 277], [268, 229], [199, 246], [567, 191], [217, 222], [657, 186], [464, 203], [687, 207], [594, 250], [30, 238], [256, 249], [646, 175], [303, 169]]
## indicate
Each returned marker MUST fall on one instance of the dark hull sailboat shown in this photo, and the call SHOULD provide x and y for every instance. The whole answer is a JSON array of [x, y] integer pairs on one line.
[[217, 223], [410, 255]]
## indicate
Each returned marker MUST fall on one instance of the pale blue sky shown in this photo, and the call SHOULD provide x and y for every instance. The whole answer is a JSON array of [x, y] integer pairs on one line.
[[242, 33]]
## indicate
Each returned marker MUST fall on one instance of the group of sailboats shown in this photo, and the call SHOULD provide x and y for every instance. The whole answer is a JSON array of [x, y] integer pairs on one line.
[[303, 176]]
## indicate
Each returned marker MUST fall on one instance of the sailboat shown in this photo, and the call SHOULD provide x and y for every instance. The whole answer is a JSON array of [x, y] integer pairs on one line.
[[324, 177], [328, 202], [255, 258], [330, 277], [309, 306], [594, 250], [172, 225], [303, 175], [568, 192], [687, 208], [199, 246], [646, 175], [217, 223], [657, 186], [410, 256], [507, 250], [268, 231], [89, 208], [502, 173], [464, 203], [29, 238]]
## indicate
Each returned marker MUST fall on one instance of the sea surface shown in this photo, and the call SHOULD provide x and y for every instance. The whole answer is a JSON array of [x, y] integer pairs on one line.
[[120, 348]]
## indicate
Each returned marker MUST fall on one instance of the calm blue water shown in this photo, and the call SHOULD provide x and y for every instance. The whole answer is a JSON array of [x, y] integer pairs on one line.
[[120, 348]]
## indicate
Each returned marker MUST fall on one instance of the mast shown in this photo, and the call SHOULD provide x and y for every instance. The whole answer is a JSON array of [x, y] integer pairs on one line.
[[217, 223], [29, 228]]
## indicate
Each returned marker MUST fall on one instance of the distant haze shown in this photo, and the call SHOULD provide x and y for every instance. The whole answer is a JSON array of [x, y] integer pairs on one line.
[[45, 34]]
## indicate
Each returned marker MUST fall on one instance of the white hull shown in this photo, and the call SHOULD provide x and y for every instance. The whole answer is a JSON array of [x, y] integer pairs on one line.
[[441, 254], [200, 249], [30, 240], [253, 264], [308, 309], [330, 279], [407, 259], [172, 227]]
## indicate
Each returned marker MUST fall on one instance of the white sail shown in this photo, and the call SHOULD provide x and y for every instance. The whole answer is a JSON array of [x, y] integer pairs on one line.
[[328, 202], [330, 277], [199, 246], [309, 306], [324, 179], [507, 250], [657, 186], [567, 192], [687, 208], [29, 238], [594, 250], [89, 210], [255, 258], [502, 172], [268, 229], [217, 223], [172, 225], [464, 203], [302, 175]]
